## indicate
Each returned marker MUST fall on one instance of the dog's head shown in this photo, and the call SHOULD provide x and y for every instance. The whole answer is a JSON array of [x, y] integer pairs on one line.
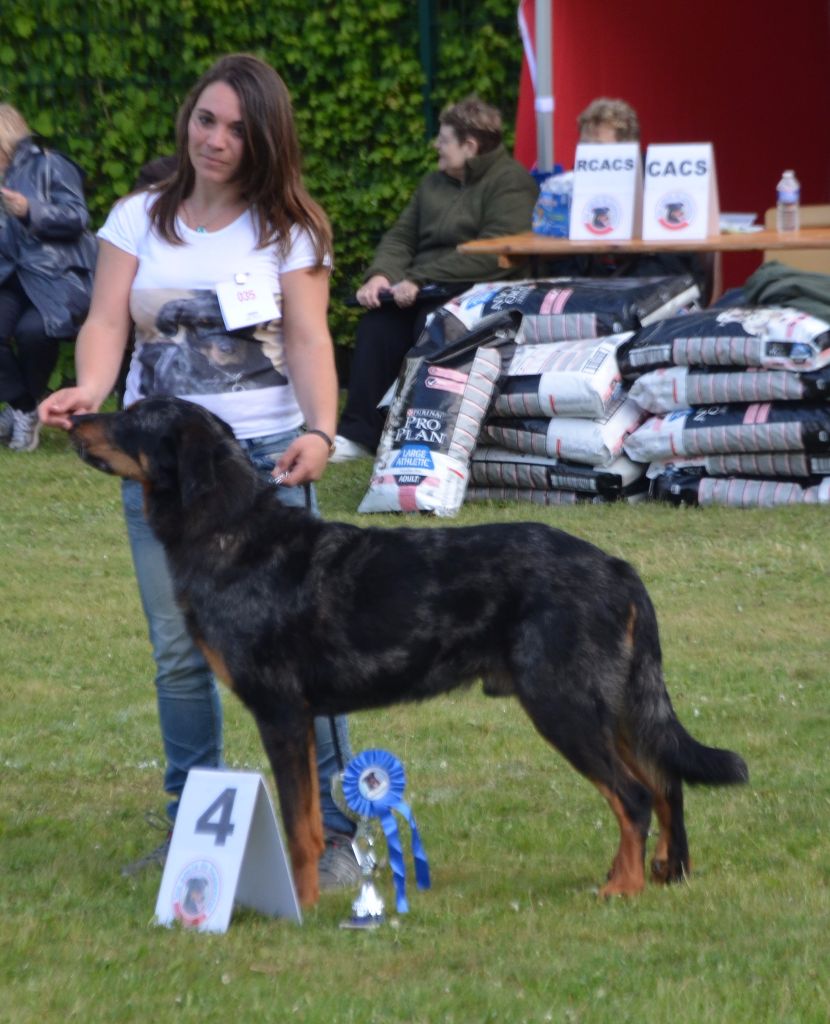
[[186, 458]]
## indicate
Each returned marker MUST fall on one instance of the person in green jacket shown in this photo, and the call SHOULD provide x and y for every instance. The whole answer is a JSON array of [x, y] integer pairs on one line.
[[478, 191]]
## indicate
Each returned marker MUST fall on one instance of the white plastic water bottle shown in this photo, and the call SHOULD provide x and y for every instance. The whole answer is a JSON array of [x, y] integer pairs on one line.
[[789, 194]]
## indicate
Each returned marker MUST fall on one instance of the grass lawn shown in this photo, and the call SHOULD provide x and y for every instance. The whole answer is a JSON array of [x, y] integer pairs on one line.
[[518, 843]]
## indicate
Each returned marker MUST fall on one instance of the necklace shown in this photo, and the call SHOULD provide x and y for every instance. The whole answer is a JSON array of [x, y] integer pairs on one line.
[[203, 228]]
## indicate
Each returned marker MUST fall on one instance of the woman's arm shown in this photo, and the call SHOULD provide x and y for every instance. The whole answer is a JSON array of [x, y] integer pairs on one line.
[[398, 247], [101, 342], [61, 213], [309, 355]]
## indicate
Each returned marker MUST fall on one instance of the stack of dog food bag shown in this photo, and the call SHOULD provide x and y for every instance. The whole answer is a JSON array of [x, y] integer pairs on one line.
[[739, 406], [556, 428], [538, 359]]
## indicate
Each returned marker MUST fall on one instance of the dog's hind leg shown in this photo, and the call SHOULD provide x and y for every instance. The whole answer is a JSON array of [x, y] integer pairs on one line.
[[291, 751], [671, 854], [631, 805], [578, 732]]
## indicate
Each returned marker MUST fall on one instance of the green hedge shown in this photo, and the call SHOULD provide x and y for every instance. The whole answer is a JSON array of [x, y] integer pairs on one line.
[[102, 82]]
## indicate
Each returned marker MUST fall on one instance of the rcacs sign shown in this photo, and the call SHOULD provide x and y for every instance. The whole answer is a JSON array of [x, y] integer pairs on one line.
[[680, 196], [608, 185]]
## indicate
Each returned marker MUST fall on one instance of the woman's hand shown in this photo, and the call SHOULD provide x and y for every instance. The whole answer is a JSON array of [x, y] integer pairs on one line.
[[58, 409], [15, 202], [303, 461], [102, 339], [368, 294], [405, 293]]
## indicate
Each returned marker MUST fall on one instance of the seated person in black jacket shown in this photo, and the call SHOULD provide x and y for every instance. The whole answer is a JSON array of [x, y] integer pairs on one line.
[[46, 261], [478, 191]]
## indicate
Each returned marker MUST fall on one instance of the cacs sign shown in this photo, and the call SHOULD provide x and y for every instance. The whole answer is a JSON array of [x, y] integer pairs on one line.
[[608, 186], [680, 194]]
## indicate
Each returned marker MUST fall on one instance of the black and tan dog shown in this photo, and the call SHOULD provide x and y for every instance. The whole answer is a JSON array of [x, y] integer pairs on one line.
[[301, 618]]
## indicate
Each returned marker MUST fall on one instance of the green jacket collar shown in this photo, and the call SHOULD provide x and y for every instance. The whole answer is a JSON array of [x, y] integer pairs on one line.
[[476, 167]]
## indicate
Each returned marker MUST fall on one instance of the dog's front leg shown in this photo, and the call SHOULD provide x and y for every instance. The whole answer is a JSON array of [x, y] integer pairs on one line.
[[290, 747]]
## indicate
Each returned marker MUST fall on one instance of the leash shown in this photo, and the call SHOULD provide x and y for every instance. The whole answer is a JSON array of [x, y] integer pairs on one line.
[[338, 750]]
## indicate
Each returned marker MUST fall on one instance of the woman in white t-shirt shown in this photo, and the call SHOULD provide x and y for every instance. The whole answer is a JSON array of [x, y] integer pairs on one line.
[[222, 270]]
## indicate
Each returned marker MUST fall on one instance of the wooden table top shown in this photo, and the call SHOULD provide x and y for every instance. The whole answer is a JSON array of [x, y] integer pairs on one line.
[[528, 243]]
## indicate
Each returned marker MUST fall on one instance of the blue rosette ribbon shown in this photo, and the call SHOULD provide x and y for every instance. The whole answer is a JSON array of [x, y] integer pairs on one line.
[[373, 786]]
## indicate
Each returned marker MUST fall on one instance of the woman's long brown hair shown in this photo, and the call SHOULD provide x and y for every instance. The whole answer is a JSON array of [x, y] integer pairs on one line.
[[269, 177]]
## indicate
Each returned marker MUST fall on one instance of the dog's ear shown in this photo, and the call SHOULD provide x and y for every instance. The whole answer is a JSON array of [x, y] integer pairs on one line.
[[211, 469], [197, 449]]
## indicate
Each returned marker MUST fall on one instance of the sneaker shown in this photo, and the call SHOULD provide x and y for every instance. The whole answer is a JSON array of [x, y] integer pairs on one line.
[[346, 450], [25, 431], [338, 865], [6, 424], [156, 857]]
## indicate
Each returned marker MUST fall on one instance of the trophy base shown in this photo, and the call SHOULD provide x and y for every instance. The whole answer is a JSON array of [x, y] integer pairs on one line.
[[367, 909], [362, 924]]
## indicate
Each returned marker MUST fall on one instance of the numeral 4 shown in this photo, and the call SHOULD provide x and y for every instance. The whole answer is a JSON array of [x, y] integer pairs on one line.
[[216, 820]]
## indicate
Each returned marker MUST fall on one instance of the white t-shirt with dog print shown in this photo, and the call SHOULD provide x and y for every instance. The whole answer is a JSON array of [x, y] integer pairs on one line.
[[182, 346]]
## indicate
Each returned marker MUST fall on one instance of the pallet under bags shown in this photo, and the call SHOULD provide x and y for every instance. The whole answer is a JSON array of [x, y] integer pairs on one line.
[[434, 420]]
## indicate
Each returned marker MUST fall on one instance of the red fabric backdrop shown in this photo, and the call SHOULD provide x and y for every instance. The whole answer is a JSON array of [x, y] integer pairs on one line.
[[755, 85]]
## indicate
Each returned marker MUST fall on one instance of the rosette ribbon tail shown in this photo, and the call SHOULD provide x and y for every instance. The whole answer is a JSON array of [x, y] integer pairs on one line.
[[396, 862], [419, 854]]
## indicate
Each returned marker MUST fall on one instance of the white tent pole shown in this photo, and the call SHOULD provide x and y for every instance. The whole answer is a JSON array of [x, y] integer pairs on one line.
[[544, 86]]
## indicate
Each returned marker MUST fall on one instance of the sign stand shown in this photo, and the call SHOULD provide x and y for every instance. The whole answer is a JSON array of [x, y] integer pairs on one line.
[[680, 196], [226, 848], [607, 192]]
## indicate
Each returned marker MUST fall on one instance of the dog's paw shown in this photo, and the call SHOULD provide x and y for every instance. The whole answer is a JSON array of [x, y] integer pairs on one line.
[[660, 871], [667, 872], [621, 887]]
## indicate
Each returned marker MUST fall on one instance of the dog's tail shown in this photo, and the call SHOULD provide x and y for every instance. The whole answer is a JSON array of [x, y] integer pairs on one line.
[[701, 765], [675, 751]]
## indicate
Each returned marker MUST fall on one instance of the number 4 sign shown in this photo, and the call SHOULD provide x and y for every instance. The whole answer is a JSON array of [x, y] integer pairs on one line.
[[225, 849]]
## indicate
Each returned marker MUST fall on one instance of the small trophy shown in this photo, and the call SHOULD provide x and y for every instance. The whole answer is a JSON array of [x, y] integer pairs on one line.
[[368, 790], [368, 909]]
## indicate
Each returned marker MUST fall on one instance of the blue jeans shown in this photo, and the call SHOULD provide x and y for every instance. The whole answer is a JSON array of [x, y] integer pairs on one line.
[[190, 711]]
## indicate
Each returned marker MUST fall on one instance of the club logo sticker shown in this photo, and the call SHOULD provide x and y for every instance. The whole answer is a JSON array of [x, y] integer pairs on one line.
[[676, 210], [601, 215], [196, 893], [374, 783]]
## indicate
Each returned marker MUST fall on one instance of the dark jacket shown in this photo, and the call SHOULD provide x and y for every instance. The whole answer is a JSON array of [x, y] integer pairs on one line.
[[51, 250], [496, 198], [776, 284]]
